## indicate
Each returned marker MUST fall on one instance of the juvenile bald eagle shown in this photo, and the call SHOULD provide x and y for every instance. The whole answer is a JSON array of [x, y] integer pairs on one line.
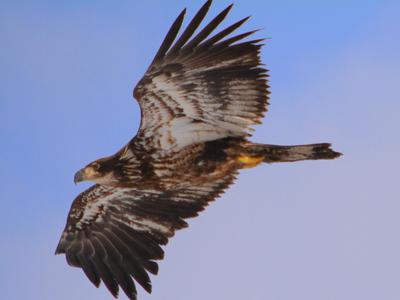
[[198, 99]]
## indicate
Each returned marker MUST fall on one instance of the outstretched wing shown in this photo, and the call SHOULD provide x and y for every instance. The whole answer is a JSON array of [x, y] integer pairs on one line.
[[114, 234], [200, 89]]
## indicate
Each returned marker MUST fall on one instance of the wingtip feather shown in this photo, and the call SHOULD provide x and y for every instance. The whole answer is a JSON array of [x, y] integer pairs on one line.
[[190, 29]]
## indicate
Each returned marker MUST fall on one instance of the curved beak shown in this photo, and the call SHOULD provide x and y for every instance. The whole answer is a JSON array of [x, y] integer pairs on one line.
[[79, 176]]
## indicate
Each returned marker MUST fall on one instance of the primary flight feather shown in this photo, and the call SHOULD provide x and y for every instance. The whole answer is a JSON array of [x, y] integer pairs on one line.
[[198, 99]]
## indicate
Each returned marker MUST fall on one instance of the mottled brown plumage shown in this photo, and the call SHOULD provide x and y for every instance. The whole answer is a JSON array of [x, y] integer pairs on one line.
[[198, 98]]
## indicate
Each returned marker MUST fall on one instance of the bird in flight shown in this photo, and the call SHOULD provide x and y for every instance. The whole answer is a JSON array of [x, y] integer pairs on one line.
[[199, 98]]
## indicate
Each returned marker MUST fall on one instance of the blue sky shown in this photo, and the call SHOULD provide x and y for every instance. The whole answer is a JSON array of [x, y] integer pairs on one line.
[[311, 230]]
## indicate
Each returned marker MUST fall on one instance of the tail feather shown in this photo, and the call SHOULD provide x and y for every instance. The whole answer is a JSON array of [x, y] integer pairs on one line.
[[277, 153]]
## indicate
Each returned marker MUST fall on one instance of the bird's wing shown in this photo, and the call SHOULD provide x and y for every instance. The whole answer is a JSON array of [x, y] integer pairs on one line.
[[114, 234], [201, 88]]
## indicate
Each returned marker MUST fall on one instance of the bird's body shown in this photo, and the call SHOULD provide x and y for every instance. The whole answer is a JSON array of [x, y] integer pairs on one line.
[[201, 161], [135, 167], [199, 99]]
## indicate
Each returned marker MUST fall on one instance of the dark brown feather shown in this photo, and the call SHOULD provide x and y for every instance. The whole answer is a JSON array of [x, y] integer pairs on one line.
[[191, 28], [207, 30], [169, 38], [216, 38]]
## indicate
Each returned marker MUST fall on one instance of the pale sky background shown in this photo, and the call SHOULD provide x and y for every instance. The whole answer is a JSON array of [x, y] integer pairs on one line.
[[325, 230]]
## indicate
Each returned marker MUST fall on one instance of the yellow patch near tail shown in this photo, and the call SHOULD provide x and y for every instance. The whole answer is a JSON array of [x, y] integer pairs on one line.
[[249, 161]]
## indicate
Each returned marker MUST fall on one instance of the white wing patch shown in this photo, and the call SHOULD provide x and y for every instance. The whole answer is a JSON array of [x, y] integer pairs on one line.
[[186, 131]]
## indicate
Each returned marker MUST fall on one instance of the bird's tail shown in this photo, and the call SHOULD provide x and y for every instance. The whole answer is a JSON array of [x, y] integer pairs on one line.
[[254, 154]]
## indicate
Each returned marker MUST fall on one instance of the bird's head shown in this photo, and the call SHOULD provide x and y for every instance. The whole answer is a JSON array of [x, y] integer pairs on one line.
[[99, 171]]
